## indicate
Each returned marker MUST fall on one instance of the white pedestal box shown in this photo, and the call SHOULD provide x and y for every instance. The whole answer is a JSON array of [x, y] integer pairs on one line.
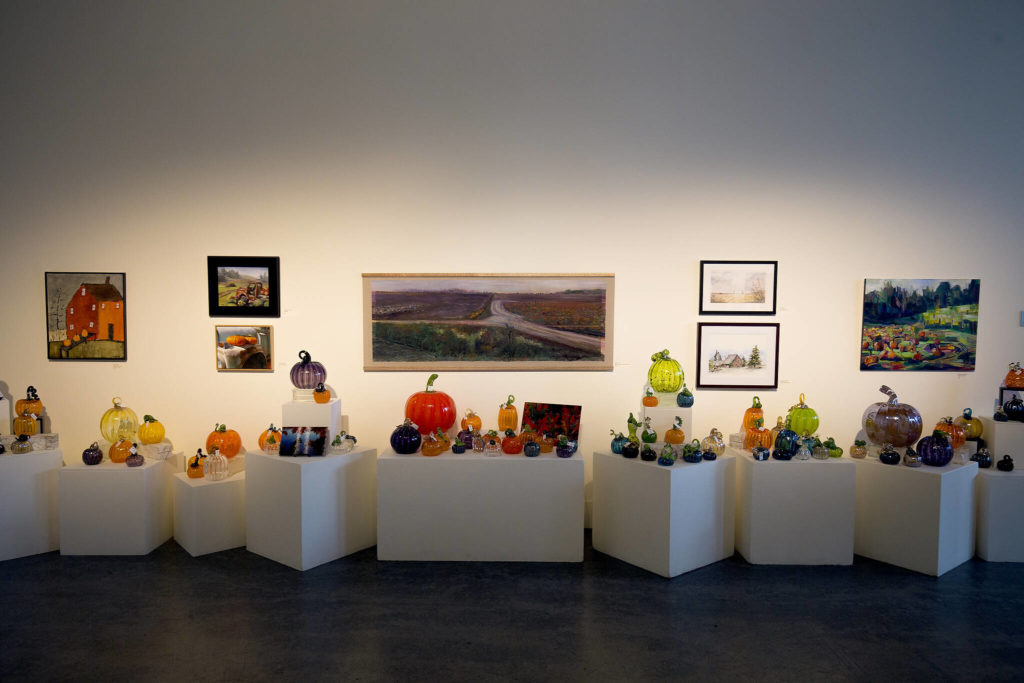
[[918, 518], [663, 416], [1004, 438], [28, 503], [794, 511], [209, 516], [1000, 515], [305, 511], [113, 509], [474, 507], [309, 414], [667, 520]]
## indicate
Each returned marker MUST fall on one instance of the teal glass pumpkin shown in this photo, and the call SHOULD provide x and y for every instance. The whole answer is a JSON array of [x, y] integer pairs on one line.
[[665, 374]]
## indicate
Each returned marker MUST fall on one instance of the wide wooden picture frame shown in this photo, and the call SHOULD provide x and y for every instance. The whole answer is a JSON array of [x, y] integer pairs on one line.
[[478, 321], [738, 287], [737, 355], [244, 286]]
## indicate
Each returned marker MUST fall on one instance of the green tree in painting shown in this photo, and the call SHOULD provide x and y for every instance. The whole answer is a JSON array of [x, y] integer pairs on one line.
[[755, 358]]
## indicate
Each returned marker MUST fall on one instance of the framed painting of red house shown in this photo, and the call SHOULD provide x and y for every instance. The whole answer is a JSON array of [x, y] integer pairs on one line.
[[85, 316]]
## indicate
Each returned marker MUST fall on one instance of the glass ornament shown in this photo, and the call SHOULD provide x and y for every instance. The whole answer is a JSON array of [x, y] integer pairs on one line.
[[665, 374], [431, 409], [119, 422], [891, 422], [215, 466], [307, 373]]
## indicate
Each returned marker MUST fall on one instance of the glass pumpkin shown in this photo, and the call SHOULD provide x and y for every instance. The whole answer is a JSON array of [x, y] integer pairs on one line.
[[30, 403], [983, 457], [92, 455], [194, 470], [478, 441], [889, 455], [215, 466], [1014, 410], [466, 437], [647, 453], [307, 373], [859, 449], [321, 394], [691, 452], [458, 447], [511, 444], [713, 442], [648, 435], [754, 412], [802, 418], [1005, 465], [434, 444], [891, 422], [151, 431], [956, 434], [709, 455], [665, 374], [120, 451], [675, 435], [134, 459], [760, 454], [3, 449], [471, 422], [911, 458], [492, 443], [630, 449], [26, 424], [935, 450], [430, 409], [565, 447], [667, 458], [834, 451], [803, 453], [779, 426], [119, 422], [972, 426], [999, 415], [684, 399], [649, 400], [406, 438], [531, 449], [757, 436], [547, 443], [528, 435], [270, 440], [21, 445], [1014, 378], [618, 441], [508, 414], [227, 441]]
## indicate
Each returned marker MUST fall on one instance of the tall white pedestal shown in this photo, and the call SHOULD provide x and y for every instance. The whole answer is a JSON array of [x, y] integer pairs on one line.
[[113, 509], [918, 518], [667, 520], [28, 503], [1000, 515], [310, 414], [663, 416], [209, 516], [1005, 438], [472, 507], [795, 511], [303, 512]]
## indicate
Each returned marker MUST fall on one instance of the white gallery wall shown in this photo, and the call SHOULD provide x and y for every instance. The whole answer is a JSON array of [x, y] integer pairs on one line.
[[845, 140]]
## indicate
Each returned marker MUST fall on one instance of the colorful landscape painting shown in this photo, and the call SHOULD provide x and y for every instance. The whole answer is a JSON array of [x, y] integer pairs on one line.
[[85, 316], [244, 286], [487, 322], [553, 418], [920, 324], [241, 286]]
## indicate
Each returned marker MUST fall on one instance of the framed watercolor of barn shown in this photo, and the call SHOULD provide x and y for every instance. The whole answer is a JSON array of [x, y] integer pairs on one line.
[[737, 355], [487, 322], [86, 316], [920, 324]]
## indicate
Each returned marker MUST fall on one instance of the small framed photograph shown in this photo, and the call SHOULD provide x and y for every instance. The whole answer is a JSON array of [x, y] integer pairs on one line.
[[303, 441], [738, 287], [86, 316], [245, 348], [553, 418], [737, 355], [244, 286]]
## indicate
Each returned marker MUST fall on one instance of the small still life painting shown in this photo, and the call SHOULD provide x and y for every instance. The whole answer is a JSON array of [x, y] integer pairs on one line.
[[737, 355], [920, 324], [303, 440], [244, 347], [86, 317], [553, 418]]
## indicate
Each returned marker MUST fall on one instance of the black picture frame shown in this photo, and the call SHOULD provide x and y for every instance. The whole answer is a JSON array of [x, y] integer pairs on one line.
[[240, 302], [86, 316], [769, 270], [734, 339]]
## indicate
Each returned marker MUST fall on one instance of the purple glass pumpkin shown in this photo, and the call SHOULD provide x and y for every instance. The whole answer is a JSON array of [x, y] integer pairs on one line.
[[307, 373], [935, 450], [135, 459], [406, 439], [92, 455]]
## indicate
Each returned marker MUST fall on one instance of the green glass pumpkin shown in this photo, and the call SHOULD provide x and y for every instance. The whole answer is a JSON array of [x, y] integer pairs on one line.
[[665, 374], [803, 418]]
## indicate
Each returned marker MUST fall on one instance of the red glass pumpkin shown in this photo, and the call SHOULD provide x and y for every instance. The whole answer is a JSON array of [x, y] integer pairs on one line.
[[430, 409]]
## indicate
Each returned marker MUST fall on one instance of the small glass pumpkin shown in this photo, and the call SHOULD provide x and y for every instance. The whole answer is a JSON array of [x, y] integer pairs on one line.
[[21, 445], [820, 452], [30, 403], [691, 452], [531, 449], [547, 443], [565, 447], [134, 459], [343, 442], [803, 453], [151, 431], [120, 451], [760, 453], [834, 451], [215, 466], [492, 443], [435, 443], [676, 435], [92, 455], [458, 447], [270, 440], [667, 458], [194, 470], [647, 453], [665, 374], [713, 442], [1014, 378], [307, 373], [630, 449], [511, 443], [119, 422], [478, 441], [528, 434], [911, 458], [26, 424], [508, 414], [779, 426], [983, 457], [1005, 465], [684, 399], [1014, 410], [406, 438], [648, 435], [649, 400], [972, 426], [889, 455], [471, 421], [859, 449], [321, 394]]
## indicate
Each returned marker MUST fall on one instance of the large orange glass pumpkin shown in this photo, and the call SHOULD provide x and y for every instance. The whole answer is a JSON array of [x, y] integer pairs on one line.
[[508, 415], [119, 422], [227, 441], [431, 410], [1015, 377], [752, 414], [956, 434], [30, 403]]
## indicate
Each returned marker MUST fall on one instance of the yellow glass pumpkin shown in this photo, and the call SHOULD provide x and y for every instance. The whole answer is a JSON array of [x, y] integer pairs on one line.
[[151, 431], [973, 427], [25, 424], [119, 422]]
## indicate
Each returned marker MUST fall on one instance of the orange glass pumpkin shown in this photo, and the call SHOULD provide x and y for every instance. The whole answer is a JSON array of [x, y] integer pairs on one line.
[[435, 443], [227, 441], [270, 440], [649, 399], [1015, 377], [30, 403], [956, 434], [195, 465], [528, 434], [472, 422], [676, 435], [431, 410], [508, 415], [511, 444], [547, 443], [752, 414], [151, 431], [757, 436], [321, 394], [25, 424], [120, 451]]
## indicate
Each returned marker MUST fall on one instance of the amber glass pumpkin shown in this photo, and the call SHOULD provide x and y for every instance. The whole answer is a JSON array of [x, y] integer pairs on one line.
[[471, 422], [803, 418], [321, 394], [151, 431], [547, 443], [435, 443], [891, 422], [955, 433], [30, 403], [119, 422], [227, 441], [713, 442], [752, 414], [120, 451], [270, 439], [779, 426], [508, 414], [431, 409], [195, 465], [971, 425], [757, 436], [25, 424], [21, 445], [676, 435], [1015, 377], [665, 375], [215, 466], [528, 434]]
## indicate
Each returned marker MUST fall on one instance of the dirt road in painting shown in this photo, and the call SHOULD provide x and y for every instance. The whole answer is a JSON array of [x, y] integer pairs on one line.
[[501, 317]]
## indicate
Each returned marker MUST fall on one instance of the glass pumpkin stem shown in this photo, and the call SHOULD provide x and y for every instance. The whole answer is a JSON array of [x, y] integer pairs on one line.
[[430, 383], [31, 394], [757, 402], [510, 401], [305, 357]]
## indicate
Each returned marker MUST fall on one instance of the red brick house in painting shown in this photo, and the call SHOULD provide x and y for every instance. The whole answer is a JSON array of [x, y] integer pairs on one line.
[[97, 309]]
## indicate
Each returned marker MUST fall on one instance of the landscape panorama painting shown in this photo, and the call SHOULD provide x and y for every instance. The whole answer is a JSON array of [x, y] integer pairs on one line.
[[487, 322], [920, 325]]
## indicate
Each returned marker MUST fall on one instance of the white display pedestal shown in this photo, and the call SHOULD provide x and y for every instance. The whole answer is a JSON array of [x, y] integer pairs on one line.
[[1000, 515], [310, 414], [305, 511], [28, 503], [663, 416], [474, 507], [113, 509], [794, 511], [209, 516], [1004, 438], [667, 520], [918, 518]]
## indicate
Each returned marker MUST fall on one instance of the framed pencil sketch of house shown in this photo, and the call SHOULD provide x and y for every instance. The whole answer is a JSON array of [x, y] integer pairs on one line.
[[738, 287], [737, 355], [86, 316]]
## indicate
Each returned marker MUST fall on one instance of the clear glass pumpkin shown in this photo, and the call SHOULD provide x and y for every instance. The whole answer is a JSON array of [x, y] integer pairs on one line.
[[713, 442], [803, 453], [119, 422], [820, 452], [215, 466]]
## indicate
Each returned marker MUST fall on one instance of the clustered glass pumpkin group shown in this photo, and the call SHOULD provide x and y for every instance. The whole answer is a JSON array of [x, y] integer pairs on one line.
[[430, 417], [665, 376], [120, 427], [674, 444], [792, 438]]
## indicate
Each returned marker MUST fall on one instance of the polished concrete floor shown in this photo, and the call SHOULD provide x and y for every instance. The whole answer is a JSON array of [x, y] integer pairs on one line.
[[236, 616]]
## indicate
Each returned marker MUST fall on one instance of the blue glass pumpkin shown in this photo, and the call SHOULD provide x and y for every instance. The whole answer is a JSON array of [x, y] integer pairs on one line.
[[935, 450], [406, 438], [618, 441], [786, 443], [531, 449]]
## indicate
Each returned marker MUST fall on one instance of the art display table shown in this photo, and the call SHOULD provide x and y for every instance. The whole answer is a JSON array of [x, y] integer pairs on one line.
[[667, 520], [1005, 438], [918, 518], [28, 503], [794, 511], [1000, 528], [113, 509], [474, 507], [305, 511], [209, 516]]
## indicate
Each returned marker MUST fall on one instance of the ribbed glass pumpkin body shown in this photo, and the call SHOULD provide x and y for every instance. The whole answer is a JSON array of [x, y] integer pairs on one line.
[[713, 442], [215, 467], [226, 441], [1014, 409], [307, 373], [891, 422], [151, 431], [935, 450], [270, 440], [92, 455], [753, 413], [511, 444], [676, 435], [1015, 377], [971, 425], [431, 410], [471, 421], [25, 424], [802, 418], [119, 422], [665, 374], [508, 415], [30, 403], [758, 436], [406, 438], [21, 445], [957, 435]]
